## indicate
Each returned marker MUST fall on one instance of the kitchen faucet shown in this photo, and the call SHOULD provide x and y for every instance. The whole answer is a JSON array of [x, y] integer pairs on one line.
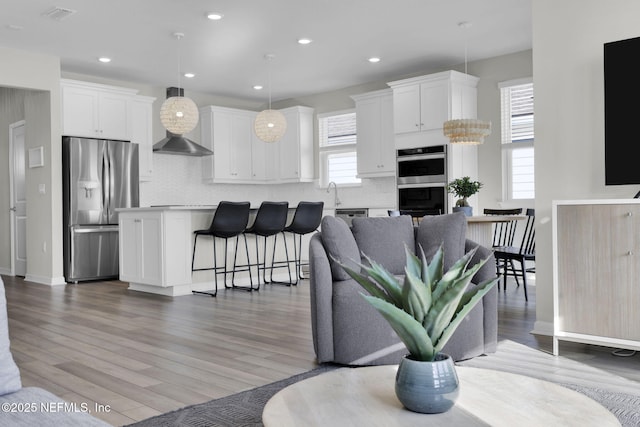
[[336, 200]]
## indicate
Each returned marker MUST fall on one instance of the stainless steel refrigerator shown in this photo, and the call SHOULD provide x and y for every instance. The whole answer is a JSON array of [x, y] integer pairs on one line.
[[99, 176]]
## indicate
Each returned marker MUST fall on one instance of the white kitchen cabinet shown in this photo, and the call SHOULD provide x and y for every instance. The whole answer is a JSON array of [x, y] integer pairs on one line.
[[155, 247], [264, 160], [228, 133], [95, 111], [142, 133], [596, 284], [422, 104], [240, 157], [376, 147], [296, 146]]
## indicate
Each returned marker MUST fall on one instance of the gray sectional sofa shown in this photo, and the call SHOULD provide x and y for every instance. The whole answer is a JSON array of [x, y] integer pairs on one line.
[[32, 406], [346, 329]]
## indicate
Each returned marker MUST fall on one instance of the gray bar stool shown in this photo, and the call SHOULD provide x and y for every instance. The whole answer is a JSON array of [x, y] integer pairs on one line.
[[229, 220], [271, 219]]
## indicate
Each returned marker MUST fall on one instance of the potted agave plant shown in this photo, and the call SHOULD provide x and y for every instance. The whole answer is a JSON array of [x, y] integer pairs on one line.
[[424, 310], [463, 188]]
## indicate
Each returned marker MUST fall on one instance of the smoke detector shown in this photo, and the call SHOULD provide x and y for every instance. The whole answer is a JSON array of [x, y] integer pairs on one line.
[[59, 13]]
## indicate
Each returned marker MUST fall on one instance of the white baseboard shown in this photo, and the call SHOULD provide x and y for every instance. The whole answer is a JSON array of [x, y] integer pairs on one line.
[[186, 289], [5, 271], [44, 280], [543, 328]]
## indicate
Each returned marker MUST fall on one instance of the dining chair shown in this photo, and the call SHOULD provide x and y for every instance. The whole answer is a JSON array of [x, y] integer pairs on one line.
[[504, 231], [506, 255]]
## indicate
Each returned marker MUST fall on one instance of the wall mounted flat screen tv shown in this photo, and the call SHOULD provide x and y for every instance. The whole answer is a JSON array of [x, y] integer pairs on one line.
[[622, 112]]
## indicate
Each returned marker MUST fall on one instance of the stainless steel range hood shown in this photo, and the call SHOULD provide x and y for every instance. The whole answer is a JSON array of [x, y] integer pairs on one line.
[[178, 144]]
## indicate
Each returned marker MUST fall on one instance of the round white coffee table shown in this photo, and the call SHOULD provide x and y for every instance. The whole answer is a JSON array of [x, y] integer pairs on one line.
[[365, 396]]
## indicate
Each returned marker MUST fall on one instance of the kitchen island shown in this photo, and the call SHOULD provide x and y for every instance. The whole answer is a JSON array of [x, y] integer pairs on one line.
[[156, 245]]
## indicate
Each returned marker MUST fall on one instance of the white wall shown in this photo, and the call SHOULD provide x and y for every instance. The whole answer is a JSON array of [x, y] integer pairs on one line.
[[40, 76], [568, 38], [492, 72]]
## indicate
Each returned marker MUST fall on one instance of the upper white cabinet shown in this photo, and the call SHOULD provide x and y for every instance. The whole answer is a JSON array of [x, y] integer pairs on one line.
[[422, 104], [142, 133], [376, 149], [240, 157], [95, 111], [264, 160], [296, 146], [226, 132]]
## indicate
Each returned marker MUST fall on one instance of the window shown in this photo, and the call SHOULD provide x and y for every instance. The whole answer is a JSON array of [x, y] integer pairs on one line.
[[517, 139], [338, 157]]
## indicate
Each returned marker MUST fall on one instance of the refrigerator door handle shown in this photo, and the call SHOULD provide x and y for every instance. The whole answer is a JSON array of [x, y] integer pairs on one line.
[[106, 184], [97, 229]]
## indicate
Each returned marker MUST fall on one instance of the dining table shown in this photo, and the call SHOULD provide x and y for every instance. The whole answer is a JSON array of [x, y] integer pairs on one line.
[[480, 227]]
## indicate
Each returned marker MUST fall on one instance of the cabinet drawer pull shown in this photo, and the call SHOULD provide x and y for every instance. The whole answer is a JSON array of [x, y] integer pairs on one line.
[[629, 213], [630, 253]]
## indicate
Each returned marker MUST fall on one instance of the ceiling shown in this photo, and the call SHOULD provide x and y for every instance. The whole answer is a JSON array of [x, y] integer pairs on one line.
[[228, 56]]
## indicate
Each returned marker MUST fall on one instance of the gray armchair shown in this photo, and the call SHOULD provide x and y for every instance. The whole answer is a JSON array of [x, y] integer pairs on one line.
[[346, 329]]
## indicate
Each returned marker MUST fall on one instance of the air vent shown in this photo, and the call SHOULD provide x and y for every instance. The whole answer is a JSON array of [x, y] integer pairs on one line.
[[59, 13]]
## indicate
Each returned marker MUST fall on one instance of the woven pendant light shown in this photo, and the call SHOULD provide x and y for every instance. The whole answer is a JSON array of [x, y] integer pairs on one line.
[[270, 125], [179, 114], [466, 131]]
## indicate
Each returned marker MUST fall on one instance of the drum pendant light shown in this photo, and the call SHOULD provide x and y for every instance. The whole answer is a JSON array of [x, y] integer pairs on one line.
[[270, 125], [179, 114], [470, 131]]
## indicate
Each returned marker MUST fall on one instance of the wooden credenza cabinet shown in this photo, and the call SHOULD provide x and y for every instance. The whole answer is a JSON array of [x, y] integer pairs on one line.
[[597, 272]]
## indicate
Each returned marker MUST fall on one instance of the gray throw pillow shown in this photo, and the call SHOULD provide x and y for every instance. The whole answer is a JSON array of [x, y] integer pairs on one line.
[[450, 230], [383, 240], [9, 373], [339, 243]]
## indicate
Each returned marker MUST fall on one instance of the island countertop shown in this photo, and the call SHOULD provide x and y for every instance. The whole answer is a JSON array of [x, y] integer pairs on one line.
[[160, 208]]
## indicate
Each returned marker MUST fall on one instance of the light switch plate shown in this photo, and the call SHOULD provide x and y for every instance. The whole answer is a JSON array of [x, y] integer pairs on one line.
[[41, 189]]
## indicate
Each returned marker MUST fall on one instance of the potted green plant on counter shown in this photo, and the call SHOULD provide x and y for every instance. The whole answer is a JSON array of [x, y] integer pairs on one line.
[[424, 309], [463, 188]]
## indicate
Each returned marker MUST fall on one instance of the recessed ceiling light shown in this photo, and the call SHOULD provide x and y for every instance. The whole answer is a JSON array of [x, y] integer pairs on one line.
[[189, 75], [214, 16], [374, 59], [104, 59], [304, 40], [257, 87]]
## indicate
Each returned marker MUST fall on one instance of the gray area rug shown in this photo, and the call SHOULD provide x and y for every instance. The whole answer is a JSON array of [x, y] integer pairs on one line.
[[242, 409], [245, 408], [625, 407]]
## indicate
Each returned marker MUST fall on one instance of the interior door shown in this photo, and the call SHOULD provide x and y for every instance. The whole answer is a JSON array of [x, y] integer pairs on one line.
[[18, 199]]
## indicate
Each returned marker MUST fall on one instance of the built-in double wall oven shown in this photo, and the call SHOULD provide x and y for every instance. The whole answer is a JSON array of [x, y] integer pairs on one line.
[[422, 180]]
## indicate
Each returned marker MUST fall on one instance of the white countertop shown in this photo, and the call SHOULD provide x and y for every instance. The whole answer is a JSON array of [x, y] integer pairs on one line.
[[168, 208]]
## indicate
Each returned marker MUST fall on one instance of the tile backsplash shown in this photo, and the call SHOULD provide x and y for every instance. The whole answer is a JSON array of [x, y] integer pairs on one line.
[[177, 180]]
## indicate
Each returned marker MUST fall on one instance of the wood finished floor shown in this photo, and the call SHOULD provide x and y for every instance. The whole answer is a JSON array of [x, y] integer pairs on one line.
[[144, 354]]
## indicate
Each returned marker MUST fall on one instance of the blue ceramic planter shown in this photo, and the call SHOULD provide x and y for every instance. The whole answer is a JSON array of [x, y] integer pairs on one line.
[[427, 387], [467, 210]]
